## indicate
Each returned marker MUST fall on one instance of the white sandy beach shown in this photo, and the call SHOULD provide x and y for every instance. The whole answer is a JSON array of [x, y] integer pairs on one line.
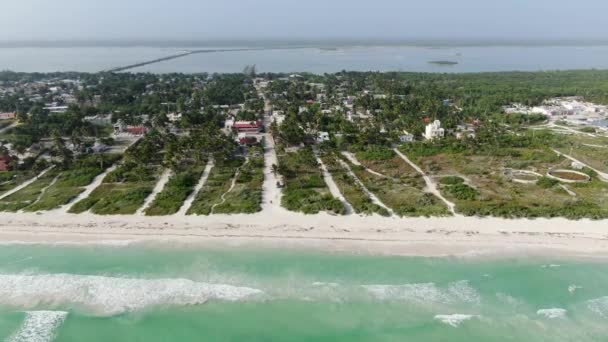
[[454, 236]]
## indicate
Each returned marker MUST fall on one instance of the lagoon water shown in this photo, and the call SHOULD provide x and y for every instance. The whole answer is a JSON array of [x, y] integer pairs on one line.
[[315, 60], [155, 293]]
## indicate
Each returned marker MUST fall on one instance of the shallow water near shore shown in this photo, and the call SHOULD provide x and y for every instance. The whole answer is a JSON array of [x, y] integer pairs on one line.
[[145, 293]]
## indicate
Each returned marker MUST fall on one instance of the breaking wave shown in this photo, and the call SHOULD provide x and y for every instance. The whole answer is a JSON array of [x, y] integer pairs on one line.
[[39, 326], [599, 306], [460, 291], [552, 313], [111, 296], [454, 320]]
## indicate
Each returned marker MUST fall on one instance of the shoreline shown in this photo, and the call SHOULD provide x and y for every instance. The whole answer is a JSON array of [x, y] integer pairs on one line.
[[374, 235]]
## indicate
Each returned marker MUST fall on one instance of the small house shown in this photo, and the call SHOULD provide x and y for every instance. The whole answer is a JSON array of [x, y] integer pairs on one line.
[[406, 137], [173, 117], [322, 137]]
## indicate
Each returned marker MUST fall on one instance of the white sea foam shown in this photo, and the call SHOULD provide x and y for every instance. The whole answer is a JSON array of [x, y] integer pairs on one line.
[[551, 266], [508, 299], [39, 326], [413, 292], [599, 306], [109, 296], [460, 291], [464, 292], [573, 288], [454, 320], [552, 313], [324, 284]]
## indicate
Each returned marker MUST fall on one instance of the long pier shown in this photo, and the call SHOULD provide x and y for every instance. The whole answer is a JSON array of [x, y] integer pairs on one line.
[[180, 55]]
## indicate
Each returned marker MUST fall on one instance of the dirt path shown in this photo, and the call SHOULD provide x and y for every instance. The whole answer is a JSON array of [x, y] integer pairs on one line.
[[331, 184], [25, 184], [369, 194], [351, 157], [14, 124], [431, 185], [271, 194], [601, 175], [188, 203], [160, 185]]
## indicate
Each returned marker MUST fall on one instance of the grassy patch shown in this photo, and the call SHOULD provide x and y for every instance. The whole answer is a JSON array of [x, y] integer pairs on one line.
[[217, 184], [115, 199], [73, 181], [11, 179], [305, 190], [350, 189], [403, 195], [246, 197], [29, 194], [179, 187], [488, 192], [123, 191]]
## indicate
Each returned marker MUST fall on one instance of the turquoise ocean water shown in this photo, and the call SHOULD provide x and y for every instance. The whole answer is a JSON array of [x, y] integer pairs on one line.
[[152, 293]]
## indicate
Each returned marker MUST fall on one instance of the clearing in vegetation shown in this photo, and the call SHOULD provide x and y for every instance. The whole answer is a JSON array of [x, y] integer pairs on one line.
[[219, 182], [350, 188], [246, 196], [30, 194], [179, 187], [9, 180], [122, 192], [488, 192], [305, 189], [592, 151], [401, 188], [72, 182]]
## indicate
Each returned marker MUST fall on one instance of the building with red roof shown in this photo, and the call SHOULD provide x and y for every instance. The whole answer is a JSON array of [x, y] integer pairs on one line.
[[136, 130], [8, 116], [248, 126]]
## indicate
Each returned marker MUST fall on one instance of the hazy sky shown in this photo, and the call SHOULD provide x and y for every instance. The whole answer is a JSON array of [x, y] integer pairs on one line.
[[280, 19]]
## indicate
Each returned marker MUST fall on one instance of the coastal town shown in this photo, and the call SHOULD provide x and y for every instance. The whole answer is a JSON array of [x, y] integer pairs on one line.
[[344, 144]]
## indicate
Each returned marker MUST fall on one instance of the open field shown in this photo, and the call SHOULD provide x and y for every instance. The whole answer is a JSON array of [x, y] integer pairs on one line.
[[397, 185], [592, 151], [71, 182], [30, 194], [477, 183], [123, 191], [350, 189], [305, 189]]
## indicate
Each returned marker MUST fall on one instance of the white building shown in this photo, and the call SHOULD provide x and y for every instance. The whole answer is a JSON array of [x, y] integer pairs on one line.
[[173, 117], [577, 166], [465, 131], [434, 130], [99, 119], [406, 137], [229, 124], [322, 137], [278, 116]]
